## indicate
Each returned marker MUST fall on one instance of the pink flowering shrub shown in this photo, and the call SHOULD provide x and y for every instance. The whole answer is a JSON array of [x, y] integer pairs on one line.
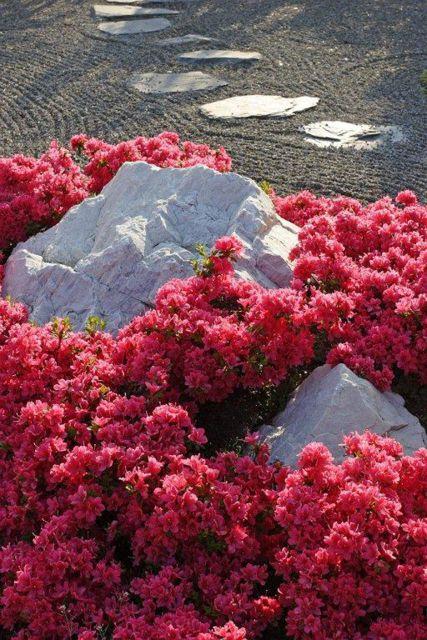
[[164, 150], [212, 334], [302, 207], [351, 567], [363, 273], [114, 525], [36, 192]]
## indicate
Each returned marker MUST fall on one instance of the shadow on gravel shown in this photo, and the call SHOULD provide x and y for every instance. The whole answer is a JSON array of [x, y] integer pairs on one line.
[[25, 13]]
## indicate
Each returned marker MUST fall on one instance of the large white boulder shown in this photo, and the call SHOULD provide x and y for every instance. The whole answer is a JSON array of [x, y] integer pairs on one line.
[[109, 255], [332, 403]]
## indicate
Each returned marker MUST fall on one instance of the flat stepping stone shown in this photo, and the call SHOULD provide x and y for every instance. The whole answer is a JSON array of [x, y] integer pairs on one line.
[[258, 106], [336, 134], [127, 11], [219, 55], [175, 82], [139, 1], [124, 27], [190, 37], [149, 1]]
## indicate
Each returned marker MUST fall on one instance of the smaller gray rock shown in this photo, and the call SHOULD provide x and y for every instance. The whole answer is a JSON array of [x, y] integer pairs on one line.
[[332, 403], [259, 106], [335, 133], [175, 82], [127, 11], [190, 37], [129, 27], [224, 56]]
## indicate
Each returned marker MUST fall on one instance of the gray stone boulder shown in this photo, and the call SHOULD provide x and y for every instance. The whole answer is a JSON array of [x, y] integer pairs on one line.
[[110, 254], [332, 403]]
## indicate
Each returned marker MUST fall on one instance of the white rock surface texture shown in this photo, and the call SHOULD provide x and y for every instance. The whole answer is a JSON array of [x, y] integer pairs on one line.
[[128, 11], [110, 254], [335, 133], [259, 106], [222, 56], [125, 27], [333, 402], [175, 82]]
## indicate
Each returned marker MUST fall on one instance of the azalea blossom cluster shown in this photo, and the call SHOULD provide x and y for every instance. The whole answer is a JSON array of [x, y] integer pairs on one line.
[[114, 524], [213, 333], [363, 273], [103, 160], [36, 192]]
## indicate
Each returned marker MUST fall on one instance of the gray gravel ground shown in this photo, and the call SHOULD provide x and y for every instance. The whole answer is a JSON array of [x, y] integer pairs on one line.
[[59, 75]]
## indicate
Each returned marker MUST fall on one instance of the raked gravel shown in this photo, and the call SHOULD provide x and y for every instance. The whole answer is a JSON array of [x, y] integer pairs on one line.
[[60, 75]]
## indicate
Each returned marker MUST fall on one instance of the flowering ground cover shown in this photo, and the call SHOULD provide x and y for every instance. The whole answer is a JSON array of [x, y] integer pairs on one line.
[[118, 521]]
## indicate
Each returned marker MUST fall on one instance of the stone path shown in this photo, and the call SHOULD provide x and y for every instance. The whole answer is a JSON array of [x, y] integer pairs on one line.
[[246, 106], [165, 83], [141, 2], [324, 134], [61, 74]]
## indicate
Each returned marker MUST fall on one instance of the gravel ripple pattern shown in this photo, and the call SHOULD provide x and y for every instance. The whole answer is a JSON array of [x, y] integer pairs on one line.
[[60, 75]]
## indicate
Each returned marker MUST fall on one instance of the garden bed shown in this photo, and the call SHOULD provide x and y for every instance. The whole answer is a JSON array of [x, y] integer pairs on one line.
[[136, 501]]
